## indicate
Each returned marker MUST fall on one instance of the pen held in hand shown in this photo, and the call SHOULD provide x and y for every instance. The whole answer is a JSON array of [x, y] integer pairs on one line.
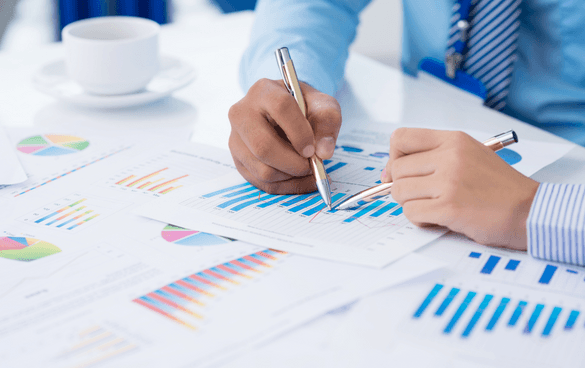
[[495, 143], [289, 77]]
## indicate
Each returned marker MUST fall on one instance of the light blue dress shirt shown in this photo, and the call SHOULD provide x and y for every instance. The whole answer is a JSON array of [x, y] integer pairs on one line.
[[547, 87]]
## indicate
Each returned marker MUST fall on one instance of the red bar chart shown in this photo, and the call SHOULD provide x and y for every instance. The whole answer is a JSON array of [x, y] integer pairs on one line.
[[184, 301]]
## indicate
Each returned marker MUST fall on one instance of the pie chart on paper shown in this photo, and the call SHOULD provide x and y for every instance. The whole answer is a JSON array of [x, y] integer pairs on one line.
[[182, 236], [52, 145], [25, 249]]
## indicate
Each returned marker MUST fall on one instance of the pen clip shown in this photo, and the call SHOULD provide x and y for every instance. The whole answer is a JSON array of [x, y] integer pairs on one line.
[[282, 57]]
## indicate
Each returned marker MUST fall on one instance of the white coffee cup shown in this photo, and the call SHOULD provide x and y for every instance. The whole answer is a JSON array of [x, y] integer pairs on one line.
[[112, 55]]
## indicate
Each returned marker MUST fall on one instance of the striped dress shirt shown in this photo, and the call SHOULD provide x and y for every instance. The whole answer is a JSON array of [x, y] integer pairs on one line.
[[556, 223], [546, 90]]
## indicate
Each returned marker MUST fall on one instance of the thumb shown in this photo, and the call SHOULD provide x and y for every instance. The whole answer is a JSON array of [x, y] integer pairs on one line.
[[324, 114]]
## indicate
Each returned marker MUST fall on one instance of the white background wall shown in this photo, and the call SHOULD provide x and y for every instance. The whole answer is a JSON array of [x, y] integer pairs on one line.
[[380, 32]]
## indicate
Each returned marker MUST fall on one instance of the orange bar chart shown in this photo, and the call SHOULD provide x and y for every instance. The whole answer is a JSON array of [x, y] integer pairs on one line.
[[153, 182]]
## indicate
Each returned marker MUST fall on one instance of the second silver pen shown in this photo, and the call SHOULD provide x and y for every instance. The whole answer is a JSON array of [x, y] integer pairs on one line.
[[289, 77]]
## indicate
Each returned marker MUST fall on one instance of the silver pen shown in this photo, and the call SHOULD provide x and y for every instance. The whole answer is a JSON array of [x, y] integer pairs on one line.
[[289, 77], [496, 143]]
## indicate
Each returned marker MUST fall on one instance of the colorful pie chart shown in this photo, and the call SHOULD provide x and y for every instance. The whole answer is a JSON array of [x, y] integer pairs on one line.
[[182, 236], [52, 145], [25, 249]]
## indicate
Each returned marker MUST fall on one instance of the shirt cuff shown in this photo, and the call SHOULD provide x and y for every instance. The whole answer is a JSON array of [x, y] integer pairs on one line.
[[556, 223]]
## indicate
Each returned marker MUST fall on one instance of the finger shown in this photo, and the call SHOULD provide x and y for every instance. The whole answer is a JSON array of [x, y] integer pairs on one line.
[[298, 185], [408, 189], [417, 164], [405, 141], [324, 114], [264, 142], [258, 169], [279, 105]]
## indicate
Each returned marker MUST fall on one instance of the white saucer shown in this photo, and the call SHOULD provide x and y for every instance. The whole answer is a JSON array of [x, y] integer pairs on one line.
[[52, 79]]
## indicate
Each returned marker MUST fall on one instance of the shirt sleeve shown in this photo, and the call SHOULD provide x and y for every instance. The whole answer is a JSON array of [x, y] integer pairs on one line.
[[317, 32], [556, 223]]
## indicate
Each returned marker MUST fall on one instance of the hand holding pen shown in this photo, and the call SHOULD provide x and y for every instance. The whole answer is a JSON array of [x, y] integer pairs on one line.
[[495, 143], [271, 140], [449, 179]]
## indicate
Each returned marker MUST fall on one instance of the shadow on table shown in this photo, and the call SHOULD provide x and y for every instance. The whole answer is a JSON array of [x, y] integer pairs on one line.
[[169, 115]]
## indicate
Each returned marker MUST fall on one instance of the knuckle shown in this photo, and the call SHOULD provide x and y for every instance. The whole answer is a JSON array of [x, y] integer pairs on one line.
[[398, 135], [459, 136], [262, 149], [260, 85], [234, 112]]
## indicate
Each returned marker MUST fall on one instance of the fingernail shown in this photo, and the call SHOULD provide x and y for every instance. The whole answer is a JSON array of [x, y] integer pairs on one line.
[[325, 147], [309, 151], [383, 177]]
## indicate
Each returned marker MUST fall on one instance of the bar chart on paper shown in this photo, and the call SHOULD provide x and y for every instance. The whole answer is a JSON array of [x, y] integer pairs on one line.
[[185, 301], [75, 343], [166, 173], [520, 270], [374, 234], [74, 212], [304, 212], [466, 313]]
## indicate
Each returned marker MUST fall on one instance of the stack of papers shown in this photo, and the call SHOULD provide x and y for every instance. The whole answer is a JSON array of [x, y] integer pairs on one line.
[[138, 249]]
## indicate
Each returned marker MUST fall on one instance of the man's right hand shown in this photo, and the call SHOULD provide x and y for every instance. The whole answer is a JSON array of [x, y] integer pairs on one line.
[[271, 140]]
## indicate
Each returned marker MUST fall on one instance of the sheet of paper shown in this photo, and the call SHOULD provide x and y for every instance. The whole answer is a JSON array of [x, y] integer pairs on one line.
[[488, 308], [90, 281], [220, 310], [11, 171], [374, 235], [526, 156]]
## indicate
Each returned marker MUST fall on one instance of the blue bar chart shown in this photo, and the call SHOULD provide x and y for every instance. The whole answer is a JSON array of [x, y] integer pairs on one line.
[[542, 274], [295, 221], [547, 275], [461, 316], [243, 196]]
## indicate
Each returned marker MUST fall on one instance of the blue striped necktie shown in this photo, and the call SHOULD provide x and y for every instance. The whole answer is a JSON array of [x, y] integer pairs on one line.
[[491, 44]]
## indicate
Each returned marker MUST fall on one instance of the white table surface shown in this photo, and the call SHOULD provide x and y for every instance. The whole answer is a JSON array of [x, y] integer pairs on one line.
[[214, 45]]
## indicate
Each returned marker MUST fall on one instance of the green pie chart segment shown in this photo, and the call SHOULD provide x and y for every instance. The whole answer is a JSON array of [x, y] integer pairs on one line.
[[25, 249], [52, 145]]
